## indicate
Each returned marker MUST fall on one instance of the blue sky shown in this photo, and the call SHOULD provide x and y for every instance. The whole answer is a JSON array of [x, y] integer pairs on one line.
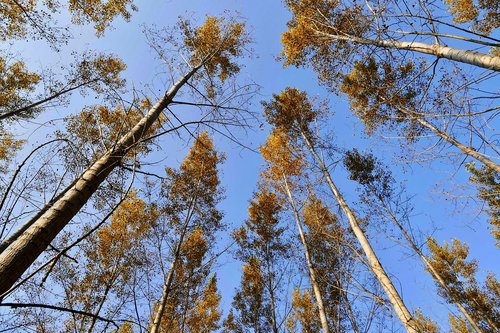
[[267, 20]]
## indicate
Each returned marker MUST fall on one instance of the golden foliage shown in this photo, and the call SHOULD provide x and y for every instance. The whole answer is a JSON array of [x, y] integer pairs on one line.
[[305, 312], [488, 182], [100, 13], [377, 91], [215, 43], [97, 128], [205, 315], [291, 111], [18, 15], [102, 68], [459, 275], [8, 146], [15, 79], [424, 324], [459, 325], [317, 216], [282, 158], [129, 223], [465, 11]]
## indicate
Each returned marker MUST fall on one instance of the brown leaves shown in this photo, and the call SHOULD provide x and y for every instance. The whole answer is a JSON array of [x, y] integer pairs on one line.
[[291, 111], [378, 91], [15, 80], [215, 43], [469, 11], [305, 312], [100, 13]]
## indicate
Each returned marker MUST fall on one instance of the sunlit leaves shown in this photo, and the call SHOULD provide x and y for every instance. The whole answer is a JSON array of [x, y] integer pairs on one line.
[[424, 324], [378, 90], [215, 43], [100, 13], [483, 14], [459, 275], [488, 182], [9, 145], [15, 82], [304, 312]]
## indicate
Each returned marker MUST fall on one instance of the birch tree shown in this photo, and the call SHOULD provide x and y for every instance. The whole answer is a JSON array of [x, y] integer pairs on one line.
[[292, 112], [213, 47]]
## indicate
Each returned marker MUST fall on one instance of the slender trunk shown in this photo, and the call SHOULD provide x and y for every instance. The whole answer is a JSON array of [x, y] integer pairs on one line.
[[400, 308], [427, 263], [101, 304], [271, 293], [19, 256], [312, 272], [467, 150], [352, 317], [465, 56], [167, 286]]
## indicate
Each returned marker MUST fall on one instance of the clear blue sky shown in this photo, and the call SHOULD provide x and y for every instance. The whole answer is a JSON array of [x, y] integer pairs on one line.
[[267, 20]]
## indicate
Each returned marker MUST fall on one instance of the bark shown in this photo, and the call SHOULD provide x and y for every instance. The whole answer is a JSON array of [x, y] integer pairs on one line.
[[312, 272], [464, 56], [17, 258], [427, 263], [395, 299], [272, 300]]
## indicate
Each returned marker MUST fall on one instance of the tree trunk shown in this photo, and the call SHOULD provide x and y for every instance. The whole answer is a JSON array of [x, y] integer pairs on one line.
[[431, 269], [17, 258], [400, 308], [465, 56], [274, 323], [312, 272], [167, 286], [467, 150]]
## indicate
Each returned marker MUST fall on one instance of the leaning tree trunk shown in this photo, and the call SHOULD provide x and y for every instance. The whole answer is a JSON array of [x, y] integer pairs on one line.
[[395, 299], [312, 272], [427, 263], [18, 257], [464, 56]]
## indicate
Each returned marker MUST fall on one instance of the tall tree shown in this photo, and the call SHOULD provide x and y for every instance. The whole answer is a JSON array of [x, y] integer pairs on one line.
[[358, 49], [264, 252], [192, 196], [379, 194], [284, 165], [293, 112], [214, 45]]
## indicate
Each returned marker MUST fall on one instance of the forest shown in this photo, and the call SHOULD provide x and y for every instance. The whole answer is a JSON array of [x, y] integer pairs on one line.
[[234, 166]]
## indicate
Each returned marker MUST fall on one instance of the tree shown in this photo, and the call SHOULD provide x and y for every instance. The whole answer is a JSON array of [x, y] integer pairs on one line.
[[488, 182], [111, 257], [379, 195], [284, 165], [292, 112], [461, 286], [358, 50], [192, 195], [226, 41], [262, 248], [304, 312], [321, 28]]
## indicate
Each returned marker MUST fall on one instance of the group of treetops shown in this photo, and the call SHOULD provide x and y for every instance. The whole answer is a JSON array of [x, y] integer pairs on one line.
[[93, 242]]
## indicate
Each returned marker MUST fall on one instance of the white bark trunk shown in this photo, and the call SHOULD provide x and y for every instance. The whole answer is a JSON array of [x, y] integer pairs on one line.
[[427, 263], [16, 259], [465, 56], [398, 305], [312, 272]]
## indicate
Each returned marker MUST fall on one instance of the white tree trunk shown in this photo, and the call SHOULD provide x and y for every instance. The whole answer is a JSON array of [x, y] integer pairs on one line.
[[398, 305], [465, 56], [312, 272]]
